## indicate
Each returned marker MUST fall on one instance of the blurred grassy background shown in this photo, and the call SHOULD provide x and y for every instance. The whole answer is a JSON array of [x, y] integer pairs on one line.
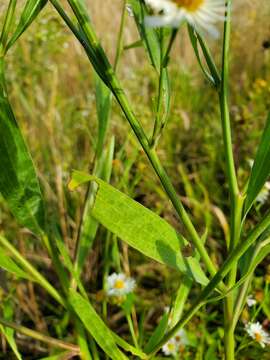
[[52, 91]]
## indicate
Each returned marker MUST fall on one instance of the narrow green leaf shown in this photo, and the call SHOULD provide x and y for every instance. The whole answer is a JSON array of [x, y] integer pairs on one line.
[[148, 35], [260, 169], [158, 334], [31, 10], [140, 228], [9, 265], [103, 102], [9, 333], [18, 180], [95, 325]]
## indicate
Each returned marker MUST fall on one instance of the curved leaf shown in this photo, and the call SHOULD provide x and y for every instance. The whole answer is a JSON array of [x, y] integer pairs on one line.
[[141, 228]]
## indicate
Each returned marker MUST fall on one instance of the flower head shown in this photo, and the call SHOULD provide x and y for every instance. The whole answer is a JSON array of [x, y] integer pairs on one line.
[[264, 193], [181, 338], [201, 14], [251, 301], [119, 285], [170, 348], [255, 330]]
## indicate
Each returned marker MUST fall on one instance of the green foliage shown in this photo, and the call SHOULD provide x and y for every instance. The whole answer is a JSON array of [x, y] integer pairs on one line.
[[261, 168], [139, 227], [31, 10], [18, 180]]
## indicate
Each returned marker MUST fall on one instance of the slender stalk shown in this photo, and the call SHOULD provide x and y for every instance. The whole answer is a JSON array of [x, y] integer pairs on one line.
[[235, 198], [99, 61], [32, 271], [119, 46], [162, 74], [241, 298], [224, 105], [132, 331], [234, 256], [40, 337]]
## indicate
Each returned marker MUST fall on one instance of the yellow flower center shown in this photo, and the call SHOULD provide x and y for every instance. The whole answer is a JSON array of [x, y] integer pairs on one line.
[[190, 5], [171, 346], [119, 284], [258, 337]]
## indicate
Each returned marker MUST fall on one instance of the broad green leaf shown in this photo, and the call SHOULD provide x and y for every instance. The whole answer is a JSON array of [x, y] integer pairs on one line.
[[31, 10], [158, 334], [9, 265], [18, 180], [95, 325], [260, 169], [140, 227], [148, 35]]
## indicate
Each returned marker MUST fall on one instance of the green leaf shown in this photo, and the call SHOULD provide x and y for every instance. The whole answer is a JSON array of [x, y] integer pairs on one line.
[[95, 325], [18, 180], [148, 35], [140, 228], [103, 105], [9, 265], [9, 333], [31, 10], [157, 334], [260, 169]]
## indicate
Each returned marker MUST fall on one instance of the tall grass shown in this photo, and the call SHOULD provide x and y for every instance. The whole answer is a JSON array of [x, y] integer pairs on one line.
[[70, 122]]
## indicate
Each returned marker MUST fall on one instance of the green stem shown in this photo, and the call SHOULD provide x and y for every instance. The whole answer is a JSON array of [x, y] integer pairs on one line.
[[119, 47], [100, 62], [41, 337], [32, 271], [234, 256], [235, 199], [132, 331], [224, 106]]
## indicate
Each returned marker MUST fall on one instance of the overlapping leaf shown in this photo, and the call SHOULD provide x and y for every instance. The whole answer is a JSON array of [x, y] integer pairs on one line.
[[140, 227]]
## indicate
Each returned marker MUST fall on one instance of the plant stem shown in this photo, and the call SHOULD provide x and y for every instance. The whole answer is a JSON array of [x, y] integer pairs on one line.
[[235, 199], [101, 64], [233, 257], [41, 337], [132, 331]]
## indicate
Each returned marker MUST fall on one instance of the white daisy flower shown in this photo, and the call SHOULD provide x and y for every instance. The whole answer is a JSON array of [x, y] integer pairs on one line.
[[170, 348], [181, 338], [119, 285], [201, 14], [255, 330], [264, 193], [251, 301], [129, 10]]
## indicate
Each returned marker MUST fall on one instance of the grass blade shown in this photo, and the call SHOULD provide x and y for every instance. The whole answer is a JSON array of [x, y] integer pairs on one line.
[[30, 12], [95, 325], [260, 169]]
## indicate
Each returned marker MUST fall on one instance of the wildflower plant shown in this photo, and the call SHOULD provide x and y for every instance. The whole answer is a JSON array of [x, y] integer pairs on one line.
[[226, 283]]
